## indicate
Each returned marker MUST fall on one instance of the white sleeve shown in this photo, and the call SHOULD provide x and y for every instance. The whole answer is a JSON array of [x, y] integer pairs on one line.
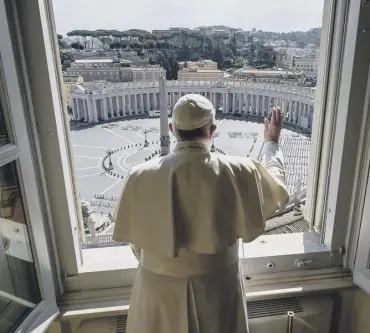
[[273, 160]]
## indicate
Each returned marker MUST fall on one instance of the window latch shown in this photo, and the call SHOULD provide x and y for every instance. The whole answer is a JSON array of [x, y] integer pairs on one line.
[[301, 263]]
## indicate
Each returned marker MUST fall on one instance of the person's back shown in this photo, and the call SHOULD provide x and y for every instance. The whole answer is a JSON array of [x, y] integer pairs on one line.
[[184, 214]]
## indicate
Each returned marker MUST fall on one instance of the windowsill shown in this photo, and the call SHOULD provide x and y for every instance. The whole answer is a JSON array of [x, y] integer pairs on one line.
[[107, 259], [115, 267], [122, 258], [282, 245], [110, 302]]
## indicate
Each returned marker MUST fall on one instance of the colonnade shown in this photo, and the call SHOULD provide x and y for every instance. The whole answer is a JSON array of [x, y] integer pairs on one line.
[[95, 107], [246, 100]]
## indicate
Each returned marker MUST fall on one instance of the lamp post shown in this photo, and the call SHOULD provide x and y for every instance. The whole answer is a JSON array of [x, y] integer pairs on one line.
[[146, 143]]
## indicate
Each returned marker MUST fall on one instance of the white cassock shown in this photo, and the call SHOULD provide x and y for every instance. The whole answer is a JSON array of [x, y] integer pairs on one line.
[[184, 213]]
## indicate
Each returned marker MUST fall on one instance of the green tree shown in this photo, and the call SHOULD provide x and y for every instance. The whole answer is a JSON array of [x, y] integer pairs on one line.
[[218, 56], [77, 46]]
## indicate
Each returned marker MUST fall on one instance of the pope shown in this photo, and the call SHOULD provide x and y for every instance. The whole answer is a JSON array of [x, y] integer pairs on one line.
[[184, 214]]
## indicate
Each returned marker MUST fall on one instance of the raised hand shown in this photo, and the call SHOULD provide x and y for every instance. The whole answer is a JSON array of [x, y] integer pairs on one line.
[[273, 127]]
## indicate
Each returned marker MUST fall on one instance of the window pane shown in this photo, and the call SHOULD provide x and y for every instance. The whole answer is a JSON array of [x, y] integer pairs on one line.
[[19, 291], [3, 133]]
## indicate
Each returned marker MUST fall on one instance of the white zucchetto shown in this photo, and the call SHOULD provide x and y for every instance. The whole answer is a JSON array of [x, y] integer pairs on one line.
[[192, 111]]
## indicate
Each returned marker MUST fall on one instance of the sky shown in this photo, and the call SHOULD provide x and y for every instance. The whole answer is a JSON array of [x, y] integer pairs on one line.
[[267, 15]]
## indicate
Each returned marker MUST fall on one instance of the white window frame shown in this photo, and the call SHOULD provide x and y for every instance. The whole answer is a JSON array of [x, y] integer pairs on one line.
[[358, 257], [362, 260], [79, 272], [20, 150]]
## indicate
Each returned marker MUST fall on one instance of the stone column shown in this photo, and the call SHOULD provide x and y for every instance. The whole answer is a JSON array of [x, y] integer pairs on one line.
[[234, 103], [80, 112], [296, 112], [135, 103], [283, 108], [74, 109], [290, 111], [105, 108], [147, 102], [84, 108], [129, 103], [95, 111], [165, 137], [124, 103], [110, 107], [117, 105], [254, 102], [227, 102], [302, 113], [90, 109], [240, 103], [247, 102], [259, 105], [142, 102]]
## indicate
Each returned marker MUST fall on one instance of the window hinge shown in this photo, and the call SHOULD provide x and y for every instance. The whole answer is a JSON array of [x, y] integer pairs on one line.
[[339, 252], [71, 282]]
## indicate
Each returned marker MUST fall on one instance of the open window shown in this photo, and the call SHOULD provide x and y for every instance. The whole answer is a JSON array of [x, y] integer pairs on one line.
[[104, 133], [86, 149], [27, 295]]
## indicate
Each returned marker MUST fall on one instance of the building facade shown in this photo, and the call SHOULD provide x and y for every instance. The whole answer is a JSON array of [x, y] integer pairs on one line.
[[97, 69], [308, 67], [113, 70], [69, 81], [267, 74], [202, 64], [194, 74], [102, 101]]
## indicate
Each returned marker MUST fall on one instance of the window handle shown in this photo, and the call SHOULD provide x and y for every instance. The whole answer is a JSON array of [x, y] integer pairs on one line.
[[301, 263]]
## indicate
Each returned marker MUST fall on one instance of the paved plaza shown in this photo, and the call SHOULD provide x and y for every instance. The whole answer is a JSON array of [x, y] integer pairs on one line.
[[126, 141]]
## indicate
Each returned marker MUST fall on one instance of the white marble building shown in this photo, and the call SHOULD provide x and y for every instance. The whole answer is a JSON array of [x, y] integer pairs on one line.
[[102, 101]]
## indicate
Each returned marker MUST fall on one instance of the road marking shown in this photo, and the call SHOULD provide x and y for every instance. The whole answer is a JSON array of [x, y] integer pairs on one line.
[[141, 136], [95, 158], [122, 137], [122, 167], [110, 187], [88, 168], [90, 146], [94, 174]]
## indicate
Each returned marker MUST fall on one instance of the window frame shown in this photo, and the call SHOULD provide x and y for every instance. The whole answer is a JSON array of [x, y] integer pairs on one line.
[[20, 150], [358, 237], [67, 216]]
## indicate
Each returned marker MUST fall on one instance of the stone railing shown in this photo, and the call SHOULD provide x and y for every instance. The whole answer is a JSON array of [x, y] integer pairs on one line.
[[284, 87], [100, 240], [281, 88]]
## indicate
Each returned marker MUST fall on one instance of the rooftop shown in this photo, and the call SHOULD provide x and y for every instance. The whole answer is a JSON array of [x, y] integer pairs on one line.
[[92, 61], [266, 71]]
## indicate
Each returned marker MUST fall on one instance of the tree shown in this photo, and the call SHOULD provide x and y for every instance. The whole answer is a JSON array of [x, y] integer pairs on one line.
[[217, 56], [66, 64], [77, 46]]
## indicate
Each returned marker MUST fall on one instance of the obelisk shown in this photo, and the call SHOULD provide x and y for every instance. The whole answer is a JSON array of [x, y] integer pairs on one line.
[[163, 101]]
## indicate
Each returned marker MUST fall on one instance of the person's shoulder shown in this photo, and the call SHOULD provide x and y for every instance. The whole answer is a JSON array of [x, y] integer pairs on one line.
[[149, 165], [235, 161]]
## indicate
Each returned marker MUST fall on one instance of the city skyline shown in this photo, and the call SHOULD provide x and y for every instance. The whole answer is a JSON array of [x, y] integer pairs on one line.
[[267, 15]]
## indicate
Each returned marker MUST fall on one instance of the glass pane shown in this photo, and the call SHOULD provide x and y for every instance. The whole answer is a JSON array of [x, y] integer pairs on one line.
[[3, 133], [19, 291]]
